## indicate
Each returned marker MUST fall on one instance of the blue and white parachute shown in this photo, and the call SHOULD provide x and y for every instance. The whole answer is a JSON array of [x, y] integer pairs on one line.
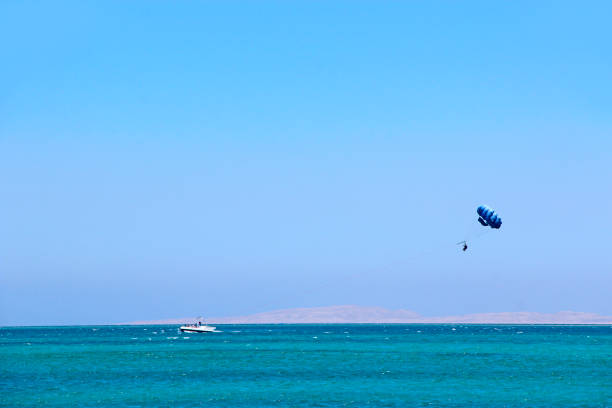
[[488, 217]]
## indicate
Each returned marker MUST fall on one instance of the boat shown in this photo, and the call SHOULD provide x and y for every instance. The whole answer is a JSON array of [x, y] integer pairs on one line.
[[197, 327], [192, 328]]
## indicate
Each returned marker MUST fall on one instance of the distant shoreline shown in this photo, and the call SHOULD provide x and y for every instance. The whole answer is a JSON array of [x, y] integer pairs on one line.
[[309, 324], [352, 314]]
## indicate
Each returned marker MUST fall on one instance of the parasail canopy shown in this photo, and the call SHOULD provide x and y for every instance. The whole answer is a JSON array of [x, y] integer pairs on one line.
[[488, 217]]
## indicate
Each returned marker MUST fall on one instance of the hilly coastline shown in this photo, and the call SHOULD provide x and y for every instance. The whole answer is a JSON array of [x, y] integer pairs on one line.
[[370, 314]]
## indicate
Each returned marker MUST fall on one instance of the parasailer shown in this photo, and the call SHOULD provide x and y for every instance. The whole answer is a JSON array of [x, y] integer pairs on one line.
[[487, 218]]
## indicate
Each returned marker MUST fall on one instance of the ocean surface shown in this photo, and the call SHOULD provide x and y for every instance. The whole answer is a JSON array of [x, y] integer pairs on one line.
[[307, 366]]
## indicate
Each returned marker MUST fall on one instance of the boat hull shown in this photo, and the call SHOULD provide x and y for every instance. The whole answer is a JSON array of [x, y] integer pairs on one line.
[[201, 329]]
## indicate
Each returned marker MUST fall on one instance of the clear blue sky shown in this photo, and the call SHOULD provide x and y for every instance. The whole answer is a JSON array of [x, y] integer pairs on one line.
[[169, 159]]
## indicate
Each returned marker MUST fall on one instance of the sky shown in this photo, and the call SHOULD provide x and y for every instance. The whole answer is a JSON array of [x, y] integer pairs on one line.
[[171, 159]]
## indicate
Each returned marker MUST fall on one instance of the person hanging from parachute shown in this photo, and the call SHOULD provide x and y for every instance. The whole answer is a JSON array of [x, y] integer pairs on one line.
[[487, 218]]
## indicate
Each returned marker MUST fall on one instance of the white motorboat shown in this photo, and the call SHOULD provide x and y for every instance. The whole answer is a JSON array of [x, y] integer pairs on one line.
[[197, 327], [192, 328]]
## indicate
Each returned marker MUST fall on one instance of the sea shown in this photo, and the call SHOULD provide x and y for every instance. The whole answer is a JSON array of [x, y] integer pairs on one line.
[[330, 365]]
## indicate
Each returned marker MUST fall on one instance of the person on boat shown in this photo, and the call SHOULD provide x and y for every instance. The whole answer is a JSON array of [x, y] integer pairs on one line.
[[464, 246]]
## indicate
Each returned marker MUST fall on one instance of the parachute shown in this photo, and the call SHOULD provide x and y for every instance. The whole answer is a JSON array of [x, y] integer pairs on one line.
[[488, 217]]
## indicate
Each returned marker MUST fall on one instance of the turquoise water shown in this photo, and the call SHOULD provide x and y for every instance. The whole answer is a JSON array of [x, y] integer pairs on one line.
[[307, 366]]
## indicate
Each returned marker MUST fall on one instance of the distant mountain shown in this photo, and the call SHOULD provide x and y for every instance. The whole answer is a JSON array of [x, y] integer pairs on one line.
[[367, 314], [566, 317], [328, 314]]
